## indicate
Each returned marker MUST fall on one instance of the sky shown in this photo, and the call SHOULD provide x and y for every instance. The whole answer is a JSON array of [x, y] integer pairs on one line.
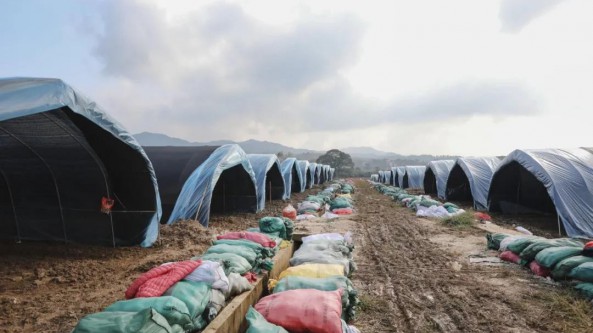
[[457, 77]]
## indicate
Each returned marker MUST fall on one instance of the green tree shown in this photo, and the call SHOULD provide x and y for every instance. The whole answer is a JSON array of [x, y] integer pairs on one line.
[[339, 160]]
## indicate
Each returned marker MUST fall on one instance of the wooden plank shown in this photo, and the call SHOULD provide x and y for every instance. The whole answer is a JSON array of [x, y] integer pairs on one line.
[[232, 318]]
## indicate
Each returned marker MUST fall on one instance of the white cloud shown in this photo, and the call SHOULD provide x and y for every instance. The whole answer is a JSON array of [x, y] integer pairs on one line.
[[320, 73]]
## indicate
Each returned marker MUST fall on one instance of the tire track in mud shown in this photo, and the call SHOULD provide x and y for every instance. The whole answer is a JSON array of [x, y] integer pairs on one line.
[[423, 291]]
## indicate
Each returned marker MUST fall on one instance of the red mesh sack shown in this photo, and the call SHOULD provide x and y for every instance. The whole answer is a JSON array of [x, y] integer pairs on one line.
[[510, 257], [482, 216], [539, 270], [252, 236], [304, 310], [342, 211], [289, 212]]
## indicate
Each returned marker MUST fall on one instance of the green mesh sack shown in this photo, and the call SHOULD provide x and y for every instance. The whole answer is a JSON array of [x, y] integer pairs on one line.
[[265, 252], [196, 296], [451, 205], [146, 321], [529, 253], [232, 263], [347, 188], [520, 244], [583, 272], [349, 296], [403, 196], [493, 240], [173, 309], [258, 324], [585, 289], [315, 198], [246, 252], [339, 203], [289, 225], [428, 202], [551, 256], [563, 268], [273, 224]]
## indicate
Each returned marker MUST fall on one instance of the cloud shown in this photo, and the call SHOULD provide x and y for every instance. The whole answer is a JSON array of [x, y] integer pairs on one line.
[[516, 14], [218, 65], [493, 98], [218, 72]]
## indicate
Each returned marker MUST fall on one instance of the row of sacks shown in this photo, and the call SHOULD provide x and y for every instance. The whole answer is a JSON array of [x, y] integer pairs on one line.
[[423, 205], [314, 294], [186, 296], [561, 259], [333, 201]]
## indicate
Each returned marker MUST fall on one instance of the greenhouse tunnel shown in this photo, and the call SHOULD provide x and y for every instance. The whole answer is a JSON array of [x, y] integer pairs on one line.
[[430, 183], [514, 190], [458, 187], [68, 172], [233, 191]]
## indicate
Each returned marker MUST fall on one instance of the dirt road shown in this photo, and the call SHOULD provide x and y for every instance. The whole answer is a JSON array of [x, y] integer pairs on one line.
[[415, 276]]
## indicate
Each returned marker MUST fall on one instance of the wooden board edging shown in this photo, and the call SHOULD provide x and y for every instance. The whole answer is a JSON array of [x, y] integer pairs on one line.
[[232, 317]]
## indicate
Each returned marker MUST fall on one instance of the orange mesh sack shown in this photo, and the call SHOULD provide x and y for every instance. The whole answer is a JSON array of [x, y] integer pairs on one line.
[[304, 310]]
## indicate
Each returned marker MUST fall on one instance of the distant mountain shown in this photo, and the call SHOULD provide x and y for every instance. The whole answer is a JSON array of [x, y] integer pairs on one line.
[[369, 152], [249, 146], [367, 159], [157, 139]]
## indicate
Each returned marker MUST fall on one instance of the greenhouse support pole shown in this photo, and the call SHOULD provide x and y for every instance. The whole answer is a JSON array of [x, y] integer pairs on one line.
[[16, 220]]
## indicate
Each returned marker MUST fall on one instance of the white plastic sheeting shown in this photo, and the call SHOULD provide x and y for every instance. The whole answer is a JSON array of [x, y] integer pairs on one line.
[[313, 169], [196, 195], [288, 165], [387, 177], [479, 171], [415, 176], [303, 166], [401, 170], [436, 211], [440, 170], [567, 175], [261, 164]]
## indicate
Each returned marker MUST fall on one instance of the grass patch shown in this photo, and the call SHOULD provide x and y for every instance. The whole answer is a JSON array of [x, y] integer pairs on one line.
[[462, 220], [569, 312], [372, 304]]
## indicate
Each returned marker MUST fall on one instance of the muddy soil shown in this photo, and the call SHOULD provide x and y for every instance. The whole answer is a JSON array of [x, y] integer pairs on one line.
[[415, 275], [48, 287]]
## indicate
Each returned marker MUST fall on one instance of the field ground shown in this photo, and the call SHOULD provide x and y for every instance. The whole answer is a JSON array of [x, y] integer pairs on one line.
[[414, 275]]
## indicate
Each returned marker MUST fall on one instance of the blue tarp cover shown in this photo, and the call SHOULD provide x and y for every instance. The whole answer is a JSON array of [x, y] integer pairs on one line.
[[303, 168], [21, 97], [196, 194], [567, 175], [288, 165], [261, 164], [441, 170], [479, 171], [401, 171], [415, 176]]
